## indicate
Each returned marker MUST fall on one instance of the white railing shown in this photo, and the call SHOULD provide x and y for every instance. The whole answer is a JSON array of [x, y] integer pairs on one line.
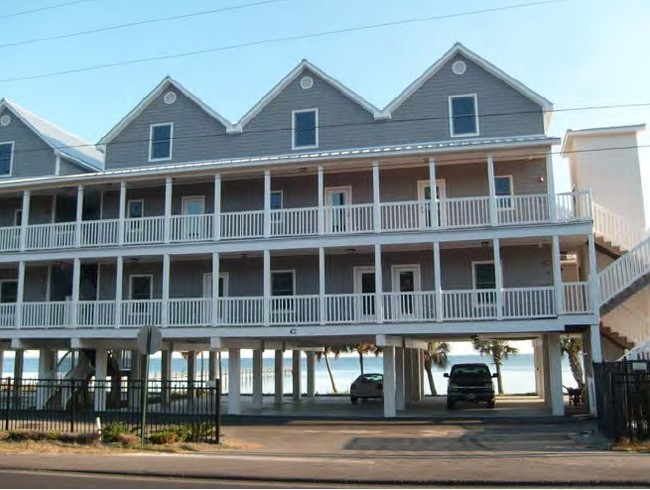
[[615, 228], [522, 209], [52, 235], [189, 312], [469, 304], [99, 232], [243, 224], [7, 315], [352, 218], [624, 271], [526, 303], [405, 216], [573, 206], [350, 308], [191, 227], [144, 230], [240, 311], [464, 212], [139, 312], [294, 222], [576, 297], [96, 313], [46, 314], [9, 238], [295, 310], [405, 307]]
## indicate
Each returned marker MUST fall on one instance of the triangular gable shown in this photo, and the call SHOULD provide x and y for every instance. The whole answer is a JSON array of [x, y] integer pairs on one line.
[[456, 49], [290, 77], [62, 142], [153, 95]]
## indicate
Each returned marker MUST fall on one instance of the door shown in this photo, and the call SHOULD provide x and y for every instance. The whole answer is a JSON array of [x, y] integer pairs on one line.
[[364, 287], [406, 282], [193, 209], [338, 217], [207, 293], [140, 290], [424, 195]]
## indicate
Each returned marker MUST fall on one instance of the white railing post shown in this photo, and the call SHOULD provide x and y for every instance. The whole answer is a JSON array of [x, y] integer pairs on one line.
[[215, 289], [267, 203], [119, 274], [594, 293], [24, 220], [492, 190], [168, 209], [498, 277], [20, 294], [321, 198], [437, 282], [216, 223], [79, 216], [164, 305], [433, 206], [378, 285], [76, 285], [321, 285], [557, 276], [550, 186], [376, 204], [266, 277], [122, 213]]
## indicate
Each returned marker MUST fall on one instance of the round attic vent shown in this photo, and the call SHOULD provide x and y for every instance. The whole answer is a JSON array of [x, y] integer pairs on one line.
[[458, 67], [170, 97], [5, 120], [306, 82]]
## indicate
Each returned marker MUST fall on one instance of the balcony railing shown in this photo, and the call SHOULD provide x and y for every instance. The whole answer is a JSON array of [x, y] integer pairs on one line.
[[336, 309], [454, 213]]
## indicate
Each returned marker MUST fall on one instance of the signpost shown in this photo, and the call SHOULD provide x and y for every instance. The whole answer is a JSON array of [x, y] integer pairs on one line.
[[149, 342]]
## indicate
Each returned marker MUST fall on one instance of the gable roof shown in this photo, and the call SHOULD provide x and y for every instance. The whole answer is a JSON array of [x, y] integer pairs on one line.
[[456, 49], [144, 103], [290, 77], [61, 141]]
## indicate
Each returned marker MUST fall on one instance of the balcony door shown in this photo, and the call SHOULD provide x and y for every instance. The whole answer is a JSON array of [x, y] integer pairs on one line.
[[364, 290], [338, 218], [405, 281], [424, 195], [193, 207], [141, 311]]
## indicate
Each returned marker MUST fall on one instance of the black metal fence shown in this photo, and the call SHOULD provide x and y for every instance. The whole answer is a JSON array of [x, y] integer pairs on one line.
[[623, 399], [84, 406]]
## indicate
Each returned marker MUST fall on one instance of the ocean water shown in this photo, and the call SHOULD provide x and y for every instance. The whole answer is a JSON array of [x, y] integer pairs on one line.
[[518, 372]]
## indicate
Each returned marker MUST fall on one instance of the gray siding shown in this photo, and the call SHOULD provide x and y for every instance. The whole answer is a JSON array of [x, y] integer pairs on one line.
[[67, 167]]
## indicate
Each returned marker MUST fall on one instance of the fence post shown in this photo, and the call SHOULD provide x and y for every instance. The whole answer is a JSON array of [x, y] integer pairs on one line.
[[73, 408], [217, 411], [7, 403]]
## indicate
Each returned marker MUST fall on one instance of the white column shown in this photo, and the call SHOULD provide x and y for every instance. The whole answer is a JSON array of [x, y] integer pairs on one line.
[[400, 393], [594, 343], [76, 286], [119, 273], [164, 307], [593, 353], [311, 374], [79, 216], [538, 356], [121, 213], [321, 209], [378, 285], [20, 294], [266, 277], [594, 293], [321, 285], [492, 190], [437, 282], [550, 186], [168, 209], [46, 365], [433, 209], [279, 376], [555, 373], [216, 220], [498, 276], [165, 374], [376, 204], [267, 203], [234, 382], [557, 276], [216, 317], [257, 378], [101, 370], [24, 220], [296, 375], [2, 359], [389, 382]]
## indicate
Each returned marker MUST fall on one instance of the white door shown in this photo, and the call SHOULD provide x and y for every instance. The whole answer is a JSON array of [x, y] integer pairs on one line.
[[364, 289], [338, 215], [405, 282], [193, 208], [424, 195]]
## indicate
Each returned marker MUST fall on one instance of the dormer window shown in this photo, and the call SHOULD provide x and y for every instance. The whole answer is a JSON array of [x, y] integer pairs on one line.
[[160, 142], [305, 129], [6, 157], [463, 115]]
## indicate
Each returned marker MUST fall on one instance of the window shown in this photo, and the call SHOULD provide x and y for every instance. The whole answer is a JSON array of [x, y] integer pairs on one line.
[[276, 199], [136, 208], [305, 129], [483, 277], [160, 142], [282, 283], [8, 291], [6, 157], [503, 191], [141, 287], [463, 114], [276, 206]]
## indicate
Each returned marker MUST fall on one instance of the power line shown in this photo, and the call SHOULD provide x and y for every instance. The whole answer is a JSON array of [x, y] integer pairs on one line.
[[275, 40], [41, 9], [138, 23]]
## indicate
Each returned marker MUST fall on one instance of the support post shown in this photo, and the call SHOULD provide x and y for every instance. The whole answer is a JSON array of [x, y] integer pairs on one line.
[[164, 307], [550, 186], [168, 209], [165, 375], [24, 220], [321, 286], [279, 376], [594, 293], [311, 374], [119, 274], [376, 203], [555, 373], [267, 203], [295, 372], [433, 206], [216, 310], [593, 354], [216, 220], [20, 294], [121, 213], [538, 356], [79, 216], [46, 366], [498, 277], [19, 363], [234, 381], [321, 208], [76, 286], [558, 287], [389, 382], [257, 378], [266, 277], [400, 393], [437, 282], [212, 365], [101, 371], [492, 191], [191, 374], [379, 313]]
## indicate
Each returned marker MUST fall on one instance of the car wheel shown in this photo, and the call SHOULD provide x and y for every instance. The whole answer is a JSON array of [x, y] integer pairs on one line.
[[353, 399], [490, 404]]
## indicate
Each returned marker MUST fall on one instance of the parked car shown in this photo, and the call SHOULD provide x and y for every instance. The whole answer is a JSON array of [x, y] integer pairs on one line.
[[470, 382], [369, 385]]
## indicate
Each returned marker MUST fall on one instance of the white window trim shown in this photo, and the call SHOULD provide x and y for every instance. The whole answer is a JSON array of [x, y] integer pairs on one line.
[[132, 276], [284, 271], [186, 199], [417, 276], [475, 297], [451, 116], [171, 141], [128, 207], [512, 191], [342, 188], [358, 271], [293, 129], [207, 276], [422, 184], [281, 199], [2, 281], [480, 262], [11, 158], [275, 216]]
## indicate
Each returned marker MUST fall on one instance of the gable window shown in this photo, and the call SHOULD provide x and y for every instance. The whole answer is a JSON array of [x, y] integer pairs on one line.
[[6, 157], [305, 129], [503, 191], [463, 115], [160, 142]]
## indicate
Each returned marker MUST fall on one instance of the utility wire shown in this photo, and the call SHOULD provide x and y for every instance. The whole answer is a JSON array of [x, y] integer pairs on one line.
[[41, 9], [138, 23], [274, 41]]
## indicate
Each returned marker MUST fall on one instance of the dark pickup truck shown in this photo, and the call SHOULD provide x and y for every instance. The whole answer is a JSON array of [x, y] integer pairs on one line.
[[470, 383]]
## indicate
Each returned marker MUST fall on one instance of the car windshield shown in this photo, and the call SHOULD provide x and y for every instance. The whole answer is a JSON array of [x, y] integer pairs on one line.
[[372, 377], [467, 370]]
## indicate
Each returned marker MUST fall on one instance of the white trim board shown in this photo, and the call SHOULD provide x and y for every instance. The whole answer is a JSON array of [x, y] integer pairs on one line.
[[293, 129]]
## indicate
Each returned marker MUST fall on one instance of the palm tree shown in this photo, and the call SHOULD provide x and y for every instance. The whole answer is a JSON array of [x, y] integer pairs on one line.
[[499, 350], [365, 349], [336, 351], [436, 353], [572, 347]]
